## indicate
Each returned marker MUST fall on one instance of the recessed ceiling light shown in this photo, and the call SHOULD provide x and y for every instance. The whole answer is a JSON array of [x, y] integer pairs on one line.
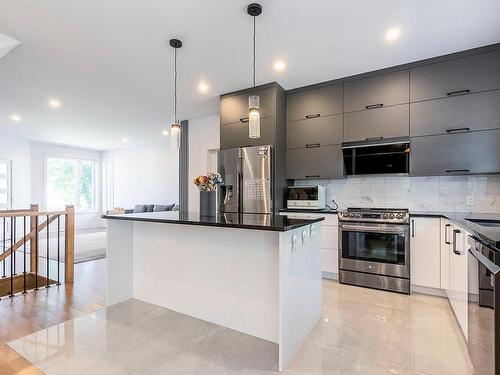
[[54, 103], [164, 132], [15, 118], [203, 87], [124, 139], [279, 65], [392, 34]]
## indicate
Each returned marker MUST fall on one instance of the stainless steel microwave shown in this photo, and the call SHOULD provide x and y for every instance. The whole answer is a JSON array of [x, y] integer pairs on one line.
[[376, 158], [306, 197]]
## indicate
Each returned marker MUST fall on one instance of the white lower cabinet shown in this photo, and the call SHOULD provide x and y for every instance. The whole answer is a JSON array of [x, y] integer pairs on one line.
[[329, 240], [438, 260], [425, 257], [458, 276]]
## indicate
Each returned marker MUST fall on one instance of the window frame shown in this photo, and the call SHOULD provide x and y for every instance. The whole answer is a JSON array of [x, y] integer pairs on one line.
[[79, 161], [9, 183]]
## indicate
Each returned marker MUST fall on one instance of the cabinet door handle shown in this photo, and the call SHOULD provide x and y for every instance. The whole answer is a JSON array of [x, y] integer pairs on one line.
[[313, 176], [458, 92], [244, 119], [453, 130], [373, 106], [313, 116], [455, 232], [413, 228], [457, 170], [313, 145], [373, 138], [446, 240]]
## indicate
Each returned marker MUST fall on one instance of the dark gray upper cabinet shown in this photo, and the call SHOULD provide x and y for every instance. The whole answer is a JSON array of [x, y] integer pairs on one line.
[[385, 122], [316, 131], [381, 90], [314, 163], [234, 108], [454, 77], [462, 113], [322, 101], [236, 135], [449, 154]]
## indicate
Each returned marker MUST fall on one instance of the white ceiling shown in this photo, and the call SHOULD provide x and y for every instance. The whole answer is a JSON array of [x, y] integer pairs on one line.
[[110, 64]]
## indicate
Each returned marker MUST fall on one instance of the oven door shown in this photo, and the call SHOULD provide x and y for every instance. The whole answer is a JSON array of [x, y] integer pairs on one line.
[[381, 249]]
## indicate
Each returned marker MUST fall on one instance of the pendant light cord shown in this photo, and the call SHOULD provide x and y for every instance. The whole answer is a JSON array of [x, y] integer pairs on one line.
[[175, 85], [254, 51]]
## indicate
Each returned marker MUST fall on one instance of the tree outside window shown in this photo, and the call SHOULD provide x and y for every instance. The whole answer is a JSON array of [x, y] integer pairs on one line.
[[70, 182]]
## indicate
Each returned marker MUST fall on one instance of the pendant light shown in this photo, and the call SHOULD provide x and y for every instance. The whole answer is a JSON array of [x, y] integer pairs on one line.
[[175, 128], [254, 10]]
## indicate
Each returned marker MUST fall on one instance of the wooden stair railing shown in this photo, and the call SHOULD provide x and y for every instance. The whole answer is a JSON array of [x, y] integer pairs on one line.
[[28, 237], [32, 237]]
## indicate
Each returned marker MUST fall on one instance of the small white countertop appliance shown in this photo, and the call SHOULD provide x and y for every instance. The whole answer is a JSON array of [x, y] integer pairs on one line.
[[306, 197]]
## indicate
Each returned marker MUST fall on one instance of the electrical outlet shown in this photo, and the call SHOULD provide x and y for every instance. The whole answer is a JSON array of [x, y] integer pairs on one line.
[[470, 200]]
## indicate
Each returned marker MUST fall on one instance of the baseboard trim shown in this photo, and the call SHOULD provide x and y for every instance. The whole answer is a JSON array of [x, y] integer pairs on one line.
[[330, 275], [430, 291]]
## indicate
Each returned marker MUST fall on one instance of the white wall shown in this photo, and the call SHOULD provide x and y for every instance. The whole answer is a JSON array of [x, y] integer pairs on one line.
[[203, 136], [145, 175], [478, 194], [39, 153], [18, 151]]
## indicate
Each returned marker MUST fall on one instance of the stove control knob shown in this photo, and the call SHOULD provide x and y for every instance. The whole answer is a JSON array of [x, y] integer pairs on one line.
[[358, 215], [385, 216], [399, 216], [391, 216]]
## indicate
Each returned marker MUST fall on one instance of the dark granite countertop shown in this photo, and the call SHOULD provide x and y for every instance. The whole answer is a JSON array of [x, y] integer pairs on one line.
[[490, 234], [271, 222], [295, 210]]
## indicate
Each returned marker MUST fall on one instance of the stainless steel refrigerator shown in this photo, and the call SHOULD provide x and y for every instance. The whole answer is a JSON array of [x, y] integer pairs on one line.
[[248, 182]]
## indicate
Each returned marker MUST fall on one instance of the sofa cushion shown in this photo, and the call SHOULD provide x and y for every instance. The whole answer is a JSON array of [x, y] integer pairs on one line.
[[149, 207], [139, 208], [163, 207]]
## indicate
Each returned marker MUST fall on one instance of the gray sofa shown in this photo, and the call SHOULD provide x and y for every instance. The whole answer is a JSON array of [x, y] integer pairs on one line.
[[140, 208]]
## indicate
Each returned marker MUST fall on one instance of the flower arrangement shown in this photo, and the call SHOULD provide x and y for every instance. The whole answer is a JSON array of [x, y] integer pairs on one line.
[[208, 182]]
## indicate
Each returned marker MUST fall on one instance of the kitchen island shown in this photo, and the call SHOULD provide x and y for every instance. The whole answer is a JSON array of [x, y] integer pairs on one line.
[[257, 274]]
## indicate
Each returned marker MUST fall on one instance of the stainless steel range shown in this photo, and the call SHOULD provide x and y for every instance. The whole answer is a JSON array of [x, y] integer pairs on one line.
[[375, 248]]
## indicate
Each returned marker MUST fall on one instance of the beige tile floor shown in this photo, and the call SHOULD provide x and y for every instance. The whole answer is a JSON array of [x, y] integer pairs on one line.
[[362, 331]]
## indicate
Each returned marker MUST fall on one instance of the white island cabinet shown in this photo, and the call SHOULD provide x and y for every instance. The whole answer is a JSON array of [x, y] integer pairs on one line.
[[257, 274], [330, 239]]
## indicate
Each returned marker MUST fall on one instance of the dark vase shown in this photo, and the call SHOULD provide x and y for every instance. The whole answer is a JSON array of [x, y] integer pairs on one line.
[[207, 203]]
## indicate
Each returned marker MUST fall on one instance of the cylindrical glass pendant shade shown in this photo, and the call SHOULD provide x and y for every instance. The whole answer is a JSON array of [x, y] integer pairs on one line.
[[175, 135], [254, 116]]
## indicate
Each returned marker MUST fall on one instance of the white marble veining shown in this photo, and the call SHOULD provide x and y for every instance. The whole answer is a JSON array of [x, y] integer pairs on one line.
[[362, 331], [478, 194]]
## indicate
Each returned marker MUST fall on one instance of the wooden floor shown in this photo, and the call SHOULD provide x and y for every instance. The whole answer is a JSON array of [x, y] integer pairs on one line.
[[31, 312]]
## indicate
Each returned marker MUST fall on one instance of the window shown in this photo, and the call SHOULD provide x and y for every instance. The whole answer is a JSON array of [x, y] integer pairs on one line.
[[107, 185], [70, 182], [5, 184]]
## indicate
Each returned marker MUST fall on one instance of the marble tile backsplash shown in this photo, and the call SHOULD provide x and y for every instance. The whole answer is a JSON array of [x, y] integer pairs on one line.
[[478, 194]]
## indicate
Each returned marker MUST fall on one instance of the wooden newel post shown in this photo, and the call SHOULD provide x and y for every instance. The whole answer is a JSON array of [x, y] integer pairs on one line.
[[69, 241], [33, 240]]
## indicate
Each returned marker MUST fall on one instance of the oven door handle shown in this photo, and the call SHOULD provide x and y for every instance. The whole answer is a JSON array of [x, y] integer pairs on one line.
[[375, 229]]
